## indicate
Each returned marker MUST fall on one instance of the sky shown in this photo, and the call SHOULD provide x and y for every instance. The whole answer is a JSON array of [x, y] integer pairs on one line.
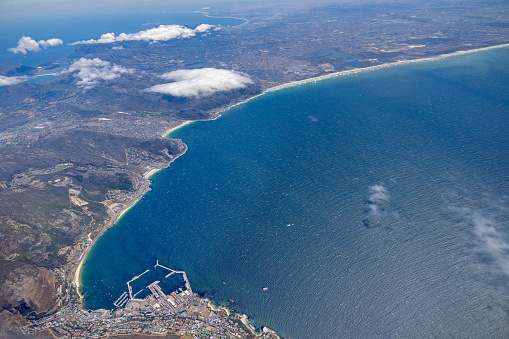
[[27, 8], [34, 8]]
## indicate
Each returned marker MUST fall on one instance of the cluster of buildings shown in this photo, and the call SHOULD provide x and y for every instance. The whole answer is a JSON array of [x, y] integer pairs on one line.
[[180, 312], [198, 322]]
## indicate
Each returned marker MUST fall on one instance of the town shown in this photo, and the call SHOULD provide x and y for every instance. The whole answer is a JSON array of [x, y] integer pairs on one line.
[[180, 312]]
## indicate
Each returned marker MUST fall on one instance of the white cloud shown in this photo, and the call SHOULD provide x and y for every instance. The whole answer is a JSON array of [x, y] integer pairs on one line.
[[160, 33], [203, 28], [377, 195], [50, 42], [201, 82], [27, 44], [92, 71], [491, 242], [6, 81]]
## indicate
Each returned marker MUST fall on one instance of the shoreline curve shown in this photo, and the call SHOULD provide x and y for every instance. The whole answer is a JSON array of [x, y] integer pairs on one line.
[[110, 223], [363, 70], [150, 173]]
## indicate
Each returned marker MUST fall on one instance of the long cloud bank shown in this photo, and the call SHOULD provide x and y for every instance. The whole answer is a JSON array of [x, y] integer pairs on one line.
[[27, 44], [7, 81], [160, 33], [201, 82], [93, 71]]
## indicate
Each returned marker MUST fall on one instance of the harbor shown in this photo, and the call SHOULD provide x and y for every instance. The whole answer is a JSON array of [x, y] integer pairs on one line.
[[169, 306], [157, 300]]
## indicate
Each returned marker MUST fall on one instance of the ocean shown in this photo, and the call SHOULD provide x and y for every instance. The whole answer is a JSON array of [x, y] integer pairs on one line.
[[372, 205]]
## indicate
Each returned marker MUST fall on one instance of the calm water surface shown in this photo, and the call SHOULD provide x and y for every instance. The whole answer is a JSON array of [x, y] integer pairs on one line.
[[373, 205]]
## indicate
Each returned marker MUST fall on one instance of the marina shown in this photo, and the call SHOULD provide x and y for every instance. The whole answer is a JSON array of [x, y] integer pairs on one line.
[[157, 300]]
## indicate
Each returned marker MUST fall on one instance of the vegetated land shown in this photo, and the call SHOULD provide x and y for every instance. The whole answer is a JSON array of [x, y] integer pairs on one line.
[[72, 159]]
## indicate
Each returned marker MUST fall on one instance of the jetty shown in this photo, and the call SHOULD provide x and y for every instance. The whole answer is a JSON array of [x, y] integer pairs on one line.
[[158, 300], [122, 300]]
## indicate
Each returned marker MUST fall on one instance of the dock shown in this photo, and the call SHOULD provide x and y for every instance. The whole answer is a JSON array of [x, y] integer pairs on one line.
[[158, 299], [122, 300]]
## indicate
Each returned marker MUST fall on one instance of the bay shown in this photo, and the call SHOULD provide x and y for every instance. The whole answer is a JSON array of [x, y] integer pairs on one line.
[[368, 205]]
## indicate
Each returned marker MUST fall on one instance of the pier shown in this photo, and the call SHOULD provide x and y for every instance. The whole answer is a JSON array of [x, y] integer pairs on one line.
[[129, 288], [123, 299], [188, 285]]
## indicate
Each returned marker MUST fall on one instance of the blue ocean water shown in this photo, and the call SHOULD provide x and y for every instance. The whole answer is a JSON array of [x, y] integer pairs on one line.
[[76, 27], [373, 205]]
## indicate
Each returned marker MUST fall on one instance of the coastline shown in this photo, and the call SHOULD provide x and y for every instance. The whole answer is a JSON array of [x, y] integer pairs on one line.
[[244, 319], [222, 17], [166, 133], [147, 175], [151, 172], [362, 70], [108, 225]]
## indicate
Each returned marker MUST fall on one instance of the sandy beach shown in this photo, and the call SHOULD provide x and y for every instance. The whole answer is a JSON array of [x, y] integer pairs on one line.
[[77, 275], [150, 173], [113, 220], [167, 133], [109, 224], [364, 69]]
